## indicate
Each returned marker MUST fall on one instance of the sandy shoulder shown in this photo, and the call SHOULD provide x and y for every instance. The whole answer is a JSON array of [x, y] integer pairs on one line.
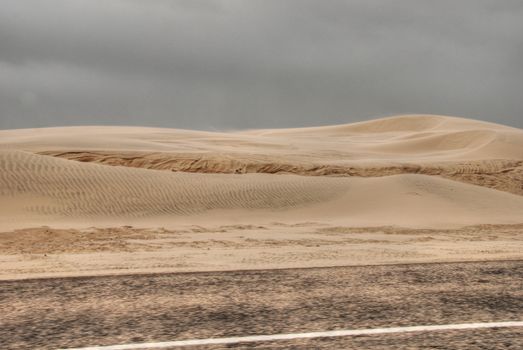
[[47, 252]]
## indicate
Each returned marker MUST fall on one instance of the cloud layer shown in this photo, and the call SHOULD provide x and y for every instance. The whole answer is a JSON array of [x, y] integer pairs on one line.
[[222, 64]]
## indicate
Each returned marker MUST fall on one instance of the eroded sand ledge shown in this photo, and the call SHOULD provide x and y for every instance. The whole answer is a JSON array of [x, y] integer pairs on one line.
[[500, 174]]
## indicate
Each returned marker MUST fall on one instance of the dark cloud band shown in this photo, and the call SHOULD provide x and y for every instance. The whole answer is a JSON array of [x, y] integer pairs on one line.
[[257, 63]]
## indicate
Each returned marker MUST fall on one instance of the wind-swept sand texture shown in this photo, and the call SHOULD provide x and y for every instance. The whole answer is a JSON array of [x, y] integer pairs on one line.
[[409, 171], [42, 190]]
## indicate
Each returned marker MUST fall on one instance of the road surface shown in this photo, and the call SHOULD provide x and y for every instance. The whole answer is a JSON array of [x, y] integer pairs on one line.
[[110, 310]]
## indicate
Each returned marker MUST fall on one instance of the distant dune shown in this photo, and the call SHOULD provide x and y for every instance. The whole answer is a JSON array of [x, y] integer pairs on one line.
[[393, 171]]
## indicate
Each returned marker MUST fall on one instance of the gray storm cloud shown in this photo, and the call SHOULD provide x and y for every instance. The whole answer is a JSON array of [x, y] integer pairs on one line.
[[257, 63]]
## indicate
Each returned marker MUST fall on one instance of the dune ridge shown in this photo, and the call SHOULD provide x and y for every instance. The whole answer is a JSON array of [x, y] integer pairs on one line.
[[504, 175]]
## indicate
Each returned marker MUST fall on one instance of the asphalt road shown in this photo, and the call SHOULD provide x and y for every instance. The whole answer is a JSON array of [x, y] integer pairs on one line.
[[87, 311]]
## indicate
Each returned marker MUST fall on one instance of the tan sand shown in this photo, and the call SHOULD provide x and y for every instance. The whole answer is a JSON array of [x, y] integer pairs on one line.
[[418, 172], [48, 252]]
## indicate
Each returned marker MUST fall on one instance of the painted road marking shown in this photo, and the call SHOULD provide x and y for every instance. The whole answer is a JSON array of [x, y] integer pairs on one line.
[[339, 333]]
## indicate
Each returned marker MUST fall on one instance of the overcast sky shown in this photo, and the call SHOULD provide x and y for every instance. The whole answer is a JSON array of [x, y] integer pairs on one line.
[[232, 64]]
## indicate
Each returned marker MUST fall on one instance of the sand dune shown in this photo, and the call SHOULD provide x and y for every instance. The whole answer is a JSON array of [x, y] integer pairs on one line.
[[382, 172], [42, 190], [470, 151], [388, 139]]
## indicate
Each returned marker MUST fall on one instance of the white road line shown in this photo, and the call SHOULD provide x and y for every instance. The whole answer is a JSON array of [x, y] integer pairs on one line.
[[339, 333]]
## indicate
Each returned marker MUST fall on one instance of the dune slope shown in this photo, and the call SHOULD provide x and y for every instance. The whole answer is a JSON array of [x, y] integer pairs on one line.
[[41, 190]]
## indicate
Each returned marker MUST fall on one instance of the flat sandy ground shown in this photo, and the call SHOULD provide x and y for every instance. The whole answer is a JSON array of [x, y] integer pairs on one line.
[[54, 252], [74, 312]]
